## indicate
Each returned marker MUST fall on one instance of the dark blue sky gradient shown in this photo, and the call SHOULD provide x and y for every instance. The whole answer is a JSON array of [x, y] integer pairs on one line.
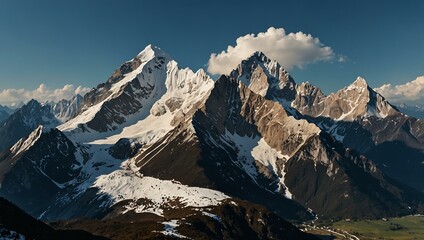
[[82, 42]]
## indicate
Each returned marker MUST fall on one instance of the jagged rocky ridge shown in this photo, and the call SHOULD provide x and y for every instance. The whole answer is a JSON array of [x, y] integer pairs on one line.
[[357, 116], [363, 120], [66, 109], [156, 138], [27, 118]]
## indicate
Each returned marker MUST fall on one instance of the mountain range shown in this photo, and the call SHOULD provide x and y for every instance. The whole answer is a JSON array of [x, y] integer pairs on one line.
[[21, 122], [412, 110], [190, 157], [5, 112]]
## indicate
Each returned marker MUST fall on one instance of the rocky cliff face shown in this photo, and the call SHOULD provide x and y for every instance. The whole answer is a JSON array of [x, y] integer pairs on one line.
[[102, 91], [309, 99], [265, 77], [67, 109]]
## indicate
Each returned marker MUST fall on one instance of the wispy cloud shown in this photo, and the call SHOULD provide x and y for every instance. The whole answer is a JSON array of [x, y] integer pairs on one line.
[[13, 96], [410, 92], [342, 58], [290, 50]]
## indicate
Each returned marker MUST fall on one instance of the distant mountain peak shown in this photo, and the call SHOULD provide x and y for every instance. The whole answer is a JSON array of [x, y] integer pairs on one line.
[[66, 109], [357, 100], [362, 102]]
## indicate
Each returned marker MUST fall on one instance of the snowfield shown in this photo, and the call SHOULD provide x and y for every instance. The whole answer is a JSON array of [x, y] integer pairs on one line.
[[126, 185]]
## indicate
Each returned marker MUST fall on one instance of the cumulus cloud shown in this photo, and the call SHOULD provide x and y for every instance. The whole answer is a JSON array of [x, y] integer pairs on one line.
[[410, 92], [290, 50], [12, 96]]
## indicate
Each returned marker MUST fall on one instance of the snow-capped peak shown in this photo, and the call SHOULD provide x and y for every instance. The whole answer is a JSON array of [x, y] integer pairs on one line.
[[155, 89], [359, 85], [151, 51], [360, 82]]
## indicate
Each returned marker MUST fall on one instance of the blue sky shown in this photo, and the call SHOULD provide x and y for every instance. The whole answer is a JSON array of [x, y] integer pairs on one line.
[[81, 42]]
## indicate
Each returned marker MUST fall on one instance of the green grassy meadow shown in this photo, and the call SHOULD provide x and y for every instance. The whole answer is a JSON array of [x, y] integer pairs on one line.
[[402, 228]]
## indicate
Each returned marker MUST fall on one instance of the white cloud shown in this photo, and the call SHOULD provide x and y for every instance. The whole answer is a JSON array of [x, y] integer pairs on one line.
[[43, 93], [410, 92], [290, 50]]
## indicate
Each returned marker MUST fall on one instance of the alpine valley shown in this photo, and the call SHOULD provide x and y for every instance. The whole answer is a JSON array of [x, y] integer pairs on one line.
[[161, 152]]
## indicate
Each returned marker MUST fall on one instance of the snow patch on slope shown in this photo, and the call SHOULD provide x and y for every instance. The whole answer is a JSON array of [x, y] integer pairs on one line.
[[254, 150], [145, 131], [126, 185], [244, 146], [213, 216], [170, 229], [268, 157]]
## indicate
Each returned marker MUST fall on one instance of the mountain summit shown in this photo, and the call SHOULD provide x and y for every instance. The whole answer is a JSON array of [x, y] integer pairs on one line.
[[265, 77]]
